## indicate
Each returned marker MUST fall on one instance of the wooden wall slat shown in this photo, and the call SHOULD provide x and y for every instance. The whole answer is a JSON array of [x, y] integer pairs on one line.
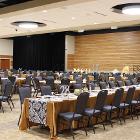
[[111, 51]]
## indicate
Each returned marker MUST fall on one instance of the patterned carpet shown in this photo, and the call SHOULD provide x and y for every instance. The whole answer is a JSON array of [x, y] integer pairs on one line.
[[9, 129]]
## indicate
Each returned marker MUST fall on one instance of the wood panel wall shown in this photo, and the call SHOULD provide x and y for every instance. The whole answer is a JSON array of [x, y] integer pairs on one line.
[[109, 51], [7, 57]]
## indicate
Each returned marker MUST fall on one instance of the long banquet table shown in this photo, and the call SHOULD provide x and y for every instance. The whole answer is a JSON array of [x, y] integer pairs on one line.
[[54, 107]]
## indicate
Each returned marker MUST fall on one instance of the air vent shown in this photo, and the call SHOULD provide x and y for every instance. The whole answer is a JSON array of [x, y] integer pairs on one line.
[[101, 14], [49, 21]]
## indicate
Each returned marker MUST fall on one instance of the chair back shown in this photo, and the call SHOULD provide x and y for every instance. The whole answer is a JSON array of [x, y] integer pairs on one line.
[[65, 81], [130, 77], [24, 92], [66, 75], [102, 77], [28, 80], [50, 81], [117, 97], [81, 103], [138, 78], [4, 82], [129, 95], [134, 82], [45, 90], [5, 73], [79, 80], [106, 77], [102, 85], [118, 77], [0, 81], [101, 98], [12, 79], [127, 83], [8, 89], [75, 75], [111, 84], [34, 74], [36, 83], [77, 86], [91, 86], [84, 76], [39, 78], [120, 83]]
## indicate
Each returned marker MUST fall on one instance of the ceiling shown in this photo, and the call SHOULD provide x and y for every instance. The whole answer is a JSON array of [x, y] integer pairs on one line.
[[64, 15], [5, 3]]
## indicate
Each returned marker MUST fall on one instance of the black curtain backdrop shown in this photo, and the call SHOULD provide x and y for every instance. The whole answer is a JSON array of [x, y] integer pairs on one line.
[[39, 52]]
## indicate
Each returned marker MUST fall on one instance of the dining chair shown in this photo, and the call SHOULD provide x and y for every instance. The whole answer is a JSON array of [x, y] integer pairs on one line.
[[134, 82], [6, 95], [50, 82], [127, 104], [12, 79], [36, 86], [111, 84], [127, 82], [91, 86], [136, 106], [79, 80], [114, 106], [102, 85], [28, 81], [120, 83], [45, 90], [77, 115], [65, 81], [97, 110], [24, 92]]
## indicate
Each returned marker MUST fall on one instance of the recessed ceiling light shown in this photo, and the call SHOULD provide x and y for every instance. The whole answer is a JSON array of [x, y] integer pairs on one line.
[[127, 8], [131, 10], [28, 24], [114, 27], [44, 11], [73, 18], [95, 23], [81, 30]]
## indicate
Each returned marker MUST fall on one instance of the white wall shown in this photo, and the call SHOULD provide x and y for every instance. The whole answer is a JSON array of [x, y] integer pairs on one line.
[[6, 47], [69, 47]]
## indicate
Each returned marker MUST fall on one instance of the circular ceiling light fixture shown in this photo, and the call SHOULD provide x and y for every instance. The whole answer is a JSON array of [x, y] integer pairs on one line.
[[81, 31], [127, 8], [131, 10], [114, 27], [28, 24]]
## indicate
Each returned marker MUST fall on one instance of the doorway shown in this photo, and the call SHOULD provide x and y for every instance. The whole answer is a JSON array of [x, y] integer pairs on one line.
[[5, 63]]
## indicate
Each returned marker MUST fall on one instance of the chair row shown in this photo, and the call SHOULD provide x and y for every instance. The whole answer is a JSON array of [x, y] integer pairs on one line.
[[112, 84], [100, 108]]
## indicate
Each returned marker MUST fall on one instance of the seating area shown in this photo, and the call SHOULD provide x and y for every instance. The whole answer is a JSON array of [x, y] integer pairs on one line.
[[97, 102]]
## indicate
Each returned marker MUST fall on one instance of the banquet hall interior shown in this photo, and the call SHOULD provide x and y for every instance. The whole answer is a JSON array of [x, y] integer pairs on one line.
[[69, 69]]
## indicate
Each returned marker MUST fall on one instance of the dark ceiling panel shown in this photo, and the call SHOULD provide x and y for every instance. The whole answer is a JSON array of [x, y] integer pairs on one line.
[[5, 3]]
